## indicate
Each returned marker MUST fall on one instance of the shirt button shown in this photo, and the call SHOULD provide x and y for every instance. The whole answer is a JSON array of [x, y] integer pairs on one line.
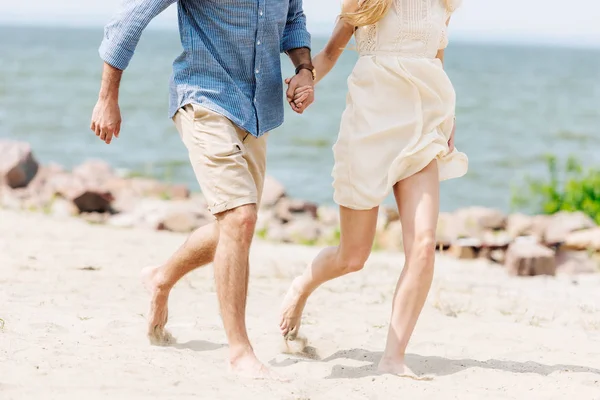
[[258, 43], [260, 13], [256, 70]]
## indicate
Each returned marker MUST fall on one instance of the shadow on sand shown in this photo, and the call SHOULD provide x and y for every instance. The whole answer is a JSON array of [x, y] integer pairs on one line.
[[432, 365]]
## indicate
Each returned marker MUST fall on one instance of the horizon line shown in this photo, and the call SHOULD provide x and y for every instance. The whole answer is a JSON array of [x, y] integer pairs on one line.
[[466, 37]]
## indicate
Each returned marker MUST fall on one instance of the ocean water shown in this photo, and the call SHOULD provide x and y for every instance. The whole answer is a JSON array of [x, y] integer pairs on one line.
[[515, 104]]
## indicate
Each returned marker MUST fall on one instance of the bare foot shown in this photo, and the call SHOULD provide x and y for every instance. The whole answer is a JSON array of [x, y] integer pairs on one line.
[[159, 312], [399, 368], [248, 366], [291, 310]]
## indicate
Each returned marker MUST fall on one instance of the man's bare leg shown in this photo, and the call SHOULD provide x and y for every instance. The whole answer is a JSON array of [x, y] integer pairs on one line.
[[197, 251], [356, 241], [236, 229], [418, 204]]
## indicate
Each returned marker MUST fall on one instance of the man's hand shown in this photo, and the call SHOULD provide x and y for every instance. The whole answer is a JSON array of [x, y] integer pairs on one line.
[[301, 82], [451, 140], [106, 119]]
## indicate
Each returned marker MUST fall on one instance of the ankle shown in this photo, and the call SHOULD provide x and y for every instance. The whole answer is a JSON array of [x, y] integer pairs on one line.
[[392, 358], [240, 352]]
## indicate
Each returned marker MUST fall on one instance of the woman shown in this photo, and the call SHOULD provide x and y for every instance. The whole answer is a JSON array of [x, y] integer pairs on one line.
[[396, 134]]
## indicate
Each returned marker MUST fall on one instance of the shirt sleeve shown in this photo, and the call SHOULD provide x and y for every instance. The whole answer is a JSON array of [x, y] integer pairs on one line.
[[124, 30], [295, 34]]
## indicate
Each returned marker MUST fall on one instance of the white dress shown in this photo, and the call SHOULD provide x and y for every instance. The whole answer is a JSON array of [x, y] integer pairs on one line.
[[399, 108]]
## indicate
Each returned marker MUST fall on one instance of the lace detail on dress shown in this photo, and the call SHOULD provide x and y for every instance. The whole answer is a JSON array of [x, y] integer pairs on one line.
[[414, 16], [366, 38]]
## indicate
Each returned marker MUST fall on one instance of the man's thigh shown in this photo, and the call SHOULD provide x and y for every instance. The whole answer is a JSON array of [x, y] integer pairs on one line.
[[228, 162]]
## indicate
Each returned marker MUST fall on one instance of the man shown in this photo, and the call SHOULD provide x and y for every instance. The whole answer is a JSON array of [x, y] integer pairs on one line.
[[225, 97]]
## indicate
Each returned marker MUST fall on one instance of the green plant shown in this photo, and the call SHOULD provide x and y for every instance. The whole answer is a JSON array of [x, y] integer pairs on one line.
[[572, 189]]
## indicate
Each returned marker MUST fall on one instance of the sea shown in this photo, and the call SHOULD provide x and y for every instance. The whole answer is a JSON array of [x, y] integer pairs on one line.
[[515, 105]]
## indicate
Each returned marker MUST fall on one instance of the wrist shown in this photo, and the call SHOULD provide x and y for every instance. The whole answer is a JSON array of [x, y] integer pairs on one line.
[[305, 73]]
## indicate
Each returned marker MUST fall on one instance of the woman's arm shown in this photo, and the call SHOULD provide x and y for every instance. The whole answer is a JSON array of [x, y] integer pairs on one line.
[[326, 58]]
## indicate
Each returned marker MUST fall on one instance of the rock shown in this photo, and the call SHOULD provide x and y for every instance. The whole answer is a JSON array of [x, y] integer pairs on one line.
[[575, 262], [472, 221], [276, 232], [391, 213], [288, 209], [496, 239], [497, 256], [524, 258], [182, 221], [446, 231], [328, 216], [94, 172], [302, 231], [391, 238], [63, 208], [465, 248], [264, 218], [178, 216], [95, 218], [178, 192], [587, 239], [563, 223], [93, 200], [10, 199], [273, 191], [519, 225], [18, 167]]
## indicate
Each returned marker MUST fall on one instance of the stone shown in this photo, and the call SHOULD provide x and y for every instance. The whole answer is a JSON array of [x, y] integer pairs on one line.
[[391, 238], [465, 248], [563, 223], [10, 199], [497, 256], [587, 239], [524, 258], [472, 221], [519, 225], [182, 221], [496, 239], [94, 172], [93, 200], [273, 191], [446, 231], [575, 262], [328, 216], [63, 208], [18, 167], [302, 231], [288, 209], [391, 213]]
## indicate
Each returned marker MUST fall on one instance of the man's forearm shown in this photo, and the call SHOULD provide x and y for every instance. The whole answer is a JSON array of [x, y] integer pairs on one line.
[[111, 81], [300, 56]]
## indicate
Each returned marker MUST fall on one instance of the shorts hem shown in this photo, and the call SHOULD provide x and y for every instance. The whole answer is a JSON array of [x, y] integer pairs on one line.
[[231, 204]]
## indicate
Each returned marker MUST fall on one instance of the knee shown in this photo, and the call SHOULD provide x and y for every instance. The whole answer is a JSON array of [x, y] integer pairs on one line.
[[423, 251], [241, 220], [354, 261]]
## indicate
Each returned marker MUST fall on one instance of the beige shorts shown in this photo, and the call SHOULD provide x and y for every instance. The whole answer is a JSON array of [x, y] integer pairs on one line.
[[229, 163]]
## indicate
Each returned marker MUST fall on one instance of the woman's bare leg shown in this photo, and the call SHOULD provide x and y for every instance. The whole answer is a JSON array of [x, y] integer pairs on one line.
[[356, 240], [418, 204]]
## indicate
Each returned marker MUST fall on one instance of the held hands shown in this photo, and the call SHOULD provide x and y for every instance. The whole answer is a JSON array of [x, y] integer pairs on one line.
[[106, 119], [300, 92]]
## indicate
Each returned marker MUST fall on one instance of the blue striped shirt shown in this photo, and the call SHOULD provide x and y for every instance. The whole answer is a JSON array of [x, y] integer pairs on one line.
[[230, 62]]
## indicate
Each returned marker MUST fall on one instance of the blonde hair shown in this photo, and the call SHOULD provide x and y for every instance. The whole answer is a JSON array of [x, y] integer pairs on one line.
[[371, 11]]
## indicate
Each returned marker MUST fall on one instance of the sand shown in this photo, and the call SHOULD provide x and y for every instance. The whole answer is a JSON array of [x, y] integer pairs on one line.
[[74, 326]]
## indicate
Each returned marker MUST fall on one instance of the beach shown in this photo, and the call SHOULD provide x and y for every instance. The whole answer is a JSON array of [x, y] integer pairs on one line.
[[73, 309]]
